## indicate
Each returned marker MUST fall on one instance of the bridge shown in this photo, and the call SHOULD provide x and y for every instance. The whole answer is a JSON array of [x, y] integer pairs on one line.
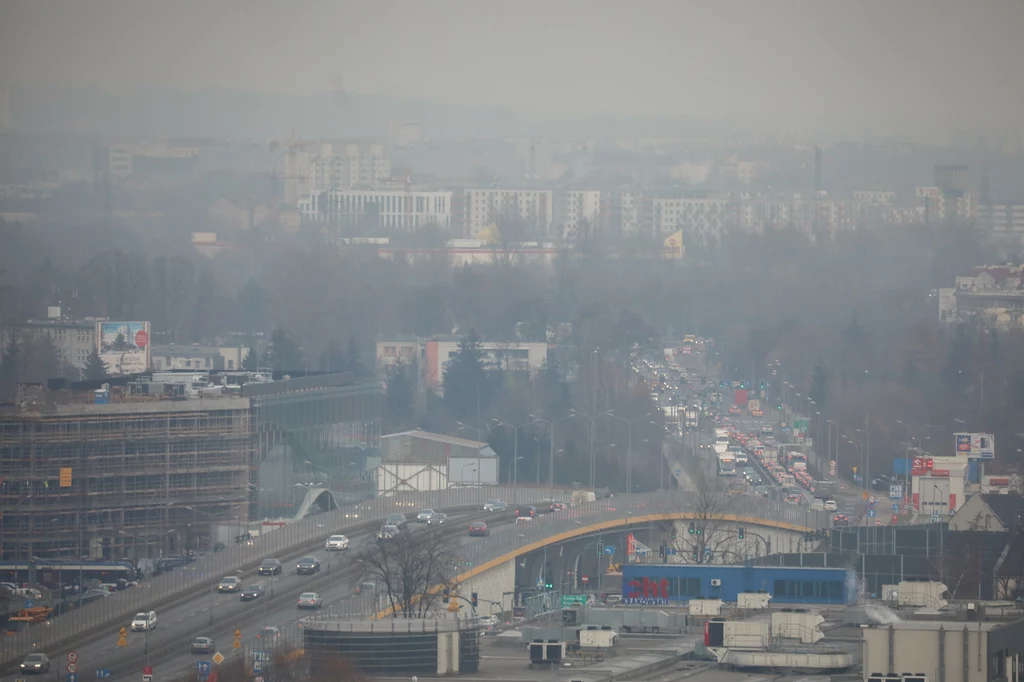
[[534, 552]]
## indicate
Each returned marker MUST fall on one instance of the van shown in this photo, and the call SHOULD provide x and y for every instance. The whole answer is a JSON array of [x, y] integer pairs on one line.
[[144, 621], [817, 504]]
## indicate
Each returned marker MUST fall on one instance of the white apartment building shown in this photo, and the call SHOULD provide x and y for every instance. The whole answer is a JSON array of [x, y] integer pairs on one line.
[[704, 217], [622, 215], [167, 357], [485, 207], [387, 209], [1002, 219], [74, 340], [433, 356], [875, 197], [575, 207], [336, 165]]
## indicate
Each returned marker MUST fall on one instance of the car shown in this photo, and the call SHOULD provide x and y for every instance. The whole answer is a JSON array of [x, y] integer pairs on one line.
[[526, 510], [762, 491], [270, 567], [425, 515], [396, 519], [269, 634], [830, 505], [144, 621], [559, 506], [437, 519], [388, 532], [251, 592], [840, 521], [495, 506], [307, 565], [479, 529], [231, 583], [336, 543], [36, 663], [310, 600], [202, 645], [735, 409], [793, 498]]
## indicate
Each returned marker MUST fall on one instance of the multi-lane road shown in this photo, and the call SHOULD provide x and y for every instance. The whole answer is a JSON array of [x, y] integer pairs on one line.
[[191, 616]]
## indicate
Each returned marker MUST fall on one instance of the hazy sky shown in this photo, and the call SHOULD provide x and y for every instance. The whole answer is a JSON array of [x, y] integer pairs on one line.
[[909, 65]]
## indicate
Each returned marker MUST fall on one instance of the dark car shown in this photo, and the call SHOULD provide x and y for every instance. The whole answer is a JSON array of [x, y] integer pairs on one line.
[[396, 520], [307, 565], [526, 510], [479, 529], [270, 567], [559, 506], [231, 583], [251, 592], [35, 663], [388, 532], [202, 645]]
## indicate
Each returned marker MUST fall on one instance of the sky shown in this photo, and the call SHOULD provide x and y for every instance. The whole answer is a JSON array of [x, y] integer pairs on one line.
[[908, 66]]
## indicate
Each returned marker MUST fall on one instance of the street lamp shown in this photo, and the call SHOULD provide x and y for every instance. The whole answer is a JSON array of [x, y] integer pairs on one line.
[[469, 428], [593, 462], [629, 444], [515, 451], [551, 457]]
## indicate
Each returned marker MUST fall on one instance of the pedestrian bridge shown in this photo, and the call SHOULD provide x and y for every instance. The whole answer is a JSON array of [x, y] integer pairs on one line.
[[489, 566]]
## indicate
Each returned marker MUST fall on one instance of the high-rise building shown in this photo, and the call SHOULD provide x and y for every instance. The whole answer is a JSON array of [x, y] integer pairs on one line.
[[372, 210], [337, 165], [532, 208]]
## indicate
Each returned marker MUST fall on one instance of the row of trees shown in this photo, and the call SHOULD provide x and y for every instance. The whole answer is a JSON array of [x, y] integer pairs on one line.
[[36, 359]]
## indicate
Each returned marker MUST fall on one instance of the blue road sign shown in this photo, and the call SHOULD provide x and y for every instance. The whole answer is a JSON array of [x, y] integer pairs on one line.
[[678, 471], [103, 673], [609, 550], [871, 513], [257, 667], [29, 603], [263, 656], [72, 677], [896, 507], [203, 668]]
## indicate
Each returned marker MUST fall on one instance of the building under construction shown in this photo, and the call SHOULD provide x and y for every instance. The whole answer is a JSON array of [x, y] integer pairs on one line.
[[149, 466], [108, 474]]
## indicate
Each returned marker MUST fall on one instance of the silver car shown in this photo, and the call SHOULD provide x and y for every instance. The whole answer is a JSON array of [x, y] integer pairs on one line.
[[310, 600], [425, 515], [437, 519]]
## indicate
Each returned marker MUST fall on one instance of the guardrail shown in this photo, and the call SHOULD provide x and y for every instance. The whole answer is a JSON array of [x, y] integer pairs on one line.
[[294, 539]]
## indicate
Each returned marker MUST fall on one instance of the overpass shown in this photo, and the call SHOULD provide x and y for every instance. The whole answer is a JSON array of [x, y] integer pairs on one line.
[[490, 568]]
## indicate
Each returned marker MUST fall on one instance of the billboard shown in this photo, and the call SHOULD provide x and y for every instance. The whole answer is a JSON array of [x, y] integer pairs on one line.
[[123, 346], [975, 445]]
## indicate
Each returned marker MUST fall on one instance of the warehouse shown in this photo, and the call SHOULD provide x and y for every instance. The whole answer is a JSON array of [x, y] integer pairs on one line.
[[413, 461], [667, 583]]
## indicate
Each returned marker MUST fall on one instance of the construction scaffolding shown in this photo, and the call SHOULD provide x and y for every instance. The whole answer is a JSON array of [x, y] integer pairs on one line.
[[133, 478]]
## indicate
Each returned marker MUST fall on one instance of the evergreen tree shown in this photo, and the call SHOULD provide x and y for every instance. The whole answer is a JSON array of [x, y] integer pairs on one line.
[[400, 398], [466, 382], [333, 358], [95, 368], [42, 360], [251, 363], [284, 353], [819, 385], [353, 358], [11, 366]]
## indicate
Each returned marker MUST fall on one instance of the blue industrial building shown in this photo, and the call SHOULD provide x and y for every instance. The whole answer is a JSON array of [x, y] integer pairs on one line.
[[665, 583]]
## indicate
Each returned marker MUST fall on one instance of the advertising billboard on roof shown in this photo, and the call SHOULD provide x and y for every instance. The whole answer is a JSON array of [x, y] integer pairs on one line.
[[123, 346], [975, 445]]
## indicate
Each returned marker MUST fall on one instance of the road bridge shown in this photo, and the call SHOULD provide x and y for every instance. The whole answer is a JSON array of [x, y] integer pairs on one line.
[[491, 568]]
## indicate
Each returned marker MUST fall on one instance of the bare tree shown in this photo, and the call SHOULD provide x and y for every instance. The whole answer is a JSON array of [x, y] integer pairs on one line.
[[409, 567], [707, 538]]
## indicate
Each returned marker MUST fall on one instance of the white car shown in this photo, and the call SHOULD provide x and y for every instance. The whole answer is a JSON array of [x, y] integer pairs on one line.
[[310, 600], [336, 543], [830, 505]]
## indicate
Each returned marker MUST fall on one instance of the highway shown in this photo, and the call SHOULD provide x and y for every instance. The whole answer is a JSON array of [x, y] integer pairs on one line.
[[191, 617]]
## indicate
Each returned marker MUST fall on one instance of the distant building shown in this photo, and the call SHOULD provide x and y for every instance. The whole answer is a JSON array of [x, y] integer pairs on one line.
[[152, 158], [416, 461], [992, 295], [533, 208], [165, 357], [576, 208], [318, 166], [378, 209], [1002, 219], [74, 339], [433, 356]]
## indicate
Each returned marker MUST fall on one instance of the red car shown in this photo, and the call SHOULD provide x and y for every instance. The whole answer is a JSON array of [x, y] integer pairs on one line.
[[479, 529]]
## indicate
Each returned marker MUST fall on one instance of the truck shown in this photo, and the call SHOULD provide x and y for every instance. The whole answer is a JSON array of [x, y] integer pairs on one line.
[[826, 490], [721, 440], [692, 415], [755, 408], [740, 397]]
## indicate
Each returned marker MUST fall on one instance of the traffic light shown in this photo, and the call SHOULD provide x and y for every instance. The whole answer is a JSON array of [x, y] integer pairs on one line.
[[693, 528], [675, 533], [472, 599], [661, 550], [739, 532], [700, 531], [778, 407], [445, 595], [549, 586], [696, 556]]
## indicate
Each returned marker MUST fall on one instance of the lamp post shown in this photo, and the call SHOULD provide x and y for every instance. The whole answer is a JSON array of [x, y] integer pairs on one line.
[[468, 428], [515, 456], [629, 445], [593, 462], [551, 457]]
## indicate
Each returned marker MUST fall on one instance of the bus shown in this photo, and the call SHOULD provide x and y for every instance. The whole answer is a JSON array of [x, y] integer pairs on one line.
[[726, 465]]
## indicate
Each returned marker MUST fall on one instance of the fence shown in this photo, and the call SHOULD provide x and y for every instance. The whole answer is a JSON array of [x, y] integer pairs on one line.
[[292, 540]]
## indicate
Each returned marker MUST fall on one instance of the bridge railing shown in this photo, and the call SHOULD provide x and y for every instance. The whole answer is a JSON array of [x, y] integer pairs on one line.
[[117, 609]]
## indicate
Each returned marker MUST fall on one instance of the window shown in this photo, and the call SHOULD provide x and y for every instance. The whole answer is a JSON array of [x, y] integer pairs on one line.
[[689, 587]]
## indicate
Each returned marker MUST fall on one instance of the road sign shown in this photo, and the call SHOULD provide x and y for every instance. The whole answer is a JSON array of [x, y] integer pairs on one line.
[[238, 632], [609, 550], [147, 678], [540, 583], [585, 579], [871, 513], [678, 471], [203, 668], [896, 491], [103, 673], [569, 599], [872, 500], [257, 667], [218, 658], [122, 641], [878, 522], [72, 668], [258, 678], [72, 677], [263, 656], [896, 507], [29, 603], [895, 519], [72, 657]]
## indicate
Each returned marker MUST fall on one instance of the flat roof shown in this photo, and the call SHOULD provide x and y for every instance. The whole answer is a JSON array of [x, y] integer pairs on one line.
[[936, 624], [196, 404], [438, 438]]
